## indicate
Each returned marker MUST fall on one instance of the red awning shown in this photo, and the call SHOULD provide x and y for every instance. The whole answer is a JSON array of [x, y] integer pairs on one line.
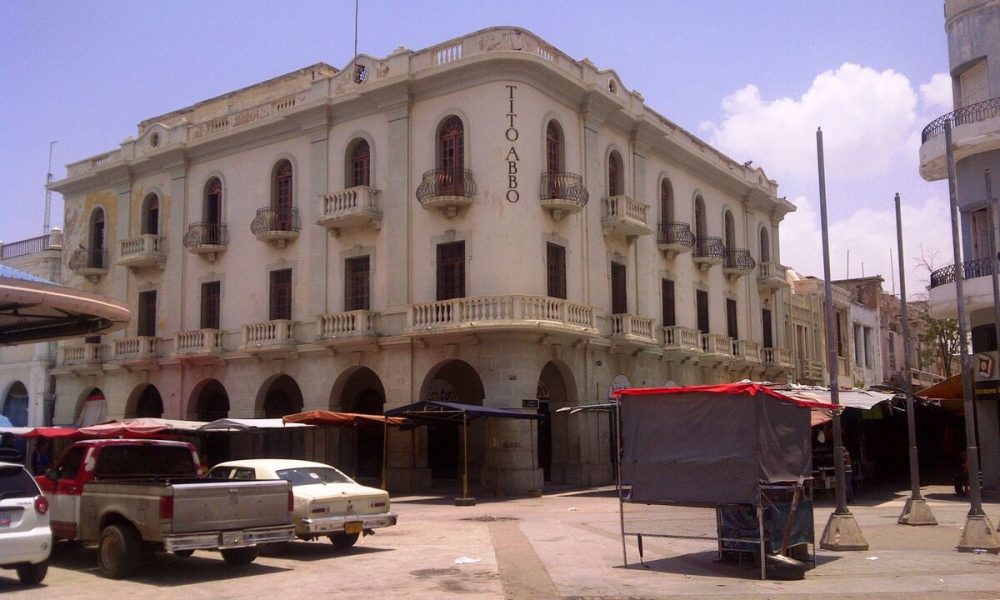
[[342, 419], [750, 389], [51, 432]]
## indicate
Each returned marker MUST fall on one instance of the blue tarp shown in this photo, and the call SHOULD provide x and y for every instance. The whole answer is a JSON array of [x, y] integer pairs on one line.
[[435, 410]]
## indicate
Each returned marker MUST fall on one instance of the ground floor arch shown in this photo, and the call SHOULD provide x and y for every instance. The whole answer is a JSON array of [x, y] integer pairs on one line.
[[14, 404], [144, 401], [92, 408], [454, 381], [360, 450], [279, 396], [209, 401], [556, 389]]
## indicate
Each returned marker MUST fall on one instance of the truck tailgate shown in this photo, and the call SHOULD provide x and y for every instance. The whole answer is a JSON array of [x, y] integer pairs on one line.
[[208, 505]]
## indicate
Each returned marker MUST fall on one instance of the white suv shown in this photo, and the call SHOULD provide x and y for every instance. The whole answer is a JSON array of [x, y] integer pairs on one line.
[[25, 537]]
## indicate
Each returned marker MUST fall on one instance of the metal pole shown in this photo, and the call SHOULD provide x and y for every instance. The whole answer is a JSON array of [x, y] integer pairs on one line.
[[385, 451], [915, 511], [994, 249], [465, 457], [978, 532], [842, 531]]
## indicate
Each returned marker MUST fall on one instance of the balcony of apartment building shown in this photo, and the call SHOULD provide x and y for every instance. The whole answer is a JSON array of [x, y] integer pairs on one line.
[[975, 129], [625, 216], [681, 343], [353, 208], [708, 251], [139, 352], [81, 357], [276, 225], [737, 263], [779, 359], [206, 238], [446, 190], [631, 332], [771, 275], [674, 238], [144, 250], [977, 286], [274, 338], [563, 194], [351, 329], [91, 263], [501, 313], [199, 345], [745, 352], [716, 349]]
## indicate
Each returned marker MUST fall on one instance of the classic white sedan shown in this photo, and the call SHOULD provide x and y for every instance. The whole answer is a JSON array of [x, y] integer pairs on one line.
[[327, 502]]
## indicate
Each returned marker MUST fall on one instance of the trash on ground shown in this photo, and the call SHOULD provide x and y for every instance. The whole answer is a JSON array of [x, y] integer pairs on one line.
[[466, 560]]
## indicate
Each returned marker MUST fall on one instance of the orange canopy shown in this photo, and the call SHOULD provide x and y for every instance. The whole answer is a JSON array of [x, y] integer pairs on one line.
[[342, 419]]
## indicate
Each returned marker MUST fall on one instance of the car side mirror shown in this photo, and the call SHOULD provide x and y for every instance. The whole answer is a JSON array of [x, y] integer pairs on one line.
[[52, 474]]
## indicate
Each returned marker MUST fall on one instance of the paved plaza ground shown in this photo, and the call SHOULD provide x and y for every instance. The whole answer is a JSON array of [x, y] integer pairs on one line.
[[565, 544]]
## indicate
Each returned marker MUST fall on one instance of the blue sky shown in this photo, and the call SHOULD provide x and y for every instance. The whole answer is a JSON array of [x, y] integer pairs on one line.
[[754, 78]]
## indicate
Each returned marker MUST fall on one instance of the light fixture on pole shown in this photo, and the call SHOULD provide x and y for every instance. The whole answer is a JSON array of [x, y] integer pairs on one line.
[[915, 511], [842, 531], [978, 533]]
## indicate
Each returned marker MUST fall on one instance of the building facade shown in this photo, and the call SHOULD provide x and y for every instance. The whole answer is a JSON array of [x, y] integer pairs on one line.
[[973, 28], [486, 221]]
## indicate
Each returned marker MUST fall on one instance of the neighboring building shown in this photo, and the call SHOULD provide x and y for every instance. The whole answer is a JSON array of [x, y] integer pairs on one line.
[[925, 369], [27, 387], [805, 329], [487, 221], [973, 28], [864, 329]]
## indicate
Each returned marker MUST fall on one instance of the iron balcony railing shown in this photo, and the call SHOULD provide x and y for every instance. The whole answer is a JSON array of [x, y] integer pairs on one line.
[[206, 234], [89, 258], [564, 186], [979, 267], [671, 232], [446, 182], [275, 219], [739, 259], [973, 113], [709, 247]]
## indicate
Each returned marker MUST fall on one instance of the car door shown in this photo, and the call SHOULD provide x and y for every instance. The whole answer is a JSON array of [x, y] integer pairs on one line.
[[64, 496]]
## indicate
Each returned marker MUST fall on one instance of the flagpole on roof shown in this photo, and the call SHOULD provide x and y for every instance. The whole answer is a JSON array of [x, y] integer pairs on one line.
[[842, 531]]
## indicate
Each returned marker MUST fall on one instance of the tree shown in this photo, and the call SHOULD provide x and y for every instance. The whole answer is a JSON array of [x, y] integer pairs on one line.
[[941, 342]]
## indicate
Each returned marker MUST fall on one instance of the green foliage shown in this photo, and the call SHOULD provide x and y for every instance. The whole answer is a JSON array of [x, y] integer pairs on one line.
[[940, 342]]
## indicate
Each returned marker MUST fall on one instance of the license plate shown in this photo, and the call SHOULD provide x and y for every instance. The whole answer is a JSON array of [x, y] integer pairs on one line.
[[232, 538], [4, 518], [353, 527]]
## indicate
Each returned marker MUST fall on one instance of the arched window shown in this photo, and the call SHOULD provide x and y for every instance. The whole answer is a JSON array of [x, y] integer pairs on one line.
[[730, 232], [553, 148], [700, 226], [212, 208], [359, 164], [281, 195], [666, 201], [451, 157], [95, 255], [765, 245], [151, 214], [616, 175]]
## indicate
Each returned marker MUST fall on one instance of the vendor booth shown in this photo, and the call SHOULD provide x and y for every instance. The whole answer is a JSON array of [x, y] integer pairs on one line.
[[726, 463]]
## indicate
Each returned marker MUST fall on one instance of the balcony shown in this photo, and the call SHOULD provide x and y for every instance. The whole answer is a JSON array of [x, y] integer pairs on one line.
[[673, 238], [563, 194], [136, 351], [446, 190], [91, 263], [777, 358], [199, 345], [353, 208], [977, 286], [975, 130], [625, 216], [347, 328], [632, 329], [206, 239], [81, 356], [715, 348], [501, 313], [745, 352], [771, 275], [681, 343], [708, 251], [276, 225], [269, 338], [145, 250], [737, 263]]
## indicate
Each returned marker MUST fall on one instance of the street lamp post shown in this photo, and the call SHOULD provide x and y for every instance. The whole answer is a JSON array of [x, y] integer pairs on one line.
[[915, 511], [978, 533], [842, 531]]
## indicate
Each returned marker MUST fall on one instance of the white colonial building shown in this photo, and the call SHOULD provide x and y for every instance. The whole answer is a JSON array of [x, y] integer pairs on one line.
[[487, 221]]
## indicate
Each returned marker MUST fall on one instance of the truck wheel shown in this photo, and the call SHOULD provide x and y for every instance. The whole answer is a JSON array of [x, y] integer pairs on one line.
[[183, 553], [118, 551], [32, 574], [344, 540], [239, 556]]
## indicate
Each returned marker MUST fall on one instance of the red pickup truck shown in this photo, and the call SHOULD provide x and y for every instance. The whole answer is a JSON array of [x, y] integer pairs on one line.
[[134, 497]]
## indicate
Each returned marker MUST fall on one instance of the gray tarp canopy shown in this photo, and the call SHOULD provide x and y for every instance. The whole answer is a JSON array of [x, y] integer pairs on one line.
[[712, 444]]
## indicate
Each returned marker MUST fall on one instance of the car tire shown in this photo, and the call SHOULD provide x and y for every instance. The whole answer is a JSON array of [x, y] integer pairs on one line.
[[344, 540], [118, 551], [183, 553], [239, 556], [32, 574]]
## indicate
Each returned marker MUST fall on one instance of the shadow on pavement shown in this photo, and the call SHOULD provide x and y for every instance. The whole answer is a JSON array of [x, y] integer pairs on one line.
[[317, 550]]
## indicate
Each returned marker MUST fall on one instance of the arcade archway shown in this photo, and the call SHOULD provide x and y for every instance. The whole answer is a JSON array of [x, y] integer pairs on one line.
[[279, 396], [360, 449], [454, 381], [556, 389], [210, 401], [145, 401]]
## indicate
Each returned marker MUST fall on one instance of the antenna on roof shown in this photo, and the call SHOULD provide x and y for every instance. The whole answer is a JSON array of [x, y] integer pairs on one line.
[[48, 193], [892, 272]]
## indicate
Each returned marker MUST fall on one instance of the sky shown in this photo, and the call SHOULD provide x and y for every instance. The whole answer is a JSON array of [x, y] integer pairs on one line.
[[754, 78]]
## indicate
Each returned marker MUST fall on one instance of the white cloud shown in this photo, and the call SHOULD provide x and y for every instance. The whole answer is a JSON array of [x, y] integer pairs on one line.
[[936, 93]]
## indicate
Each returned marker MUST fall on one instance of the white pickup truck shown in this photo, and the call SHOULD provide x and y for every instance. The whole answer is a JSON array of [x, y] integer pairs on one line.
[[135, 497]]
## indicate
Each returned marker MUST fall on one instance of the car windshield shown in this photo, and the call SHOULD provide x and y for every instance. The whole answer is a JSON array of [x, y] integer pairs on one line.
[[313, 475], [15, 482]]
